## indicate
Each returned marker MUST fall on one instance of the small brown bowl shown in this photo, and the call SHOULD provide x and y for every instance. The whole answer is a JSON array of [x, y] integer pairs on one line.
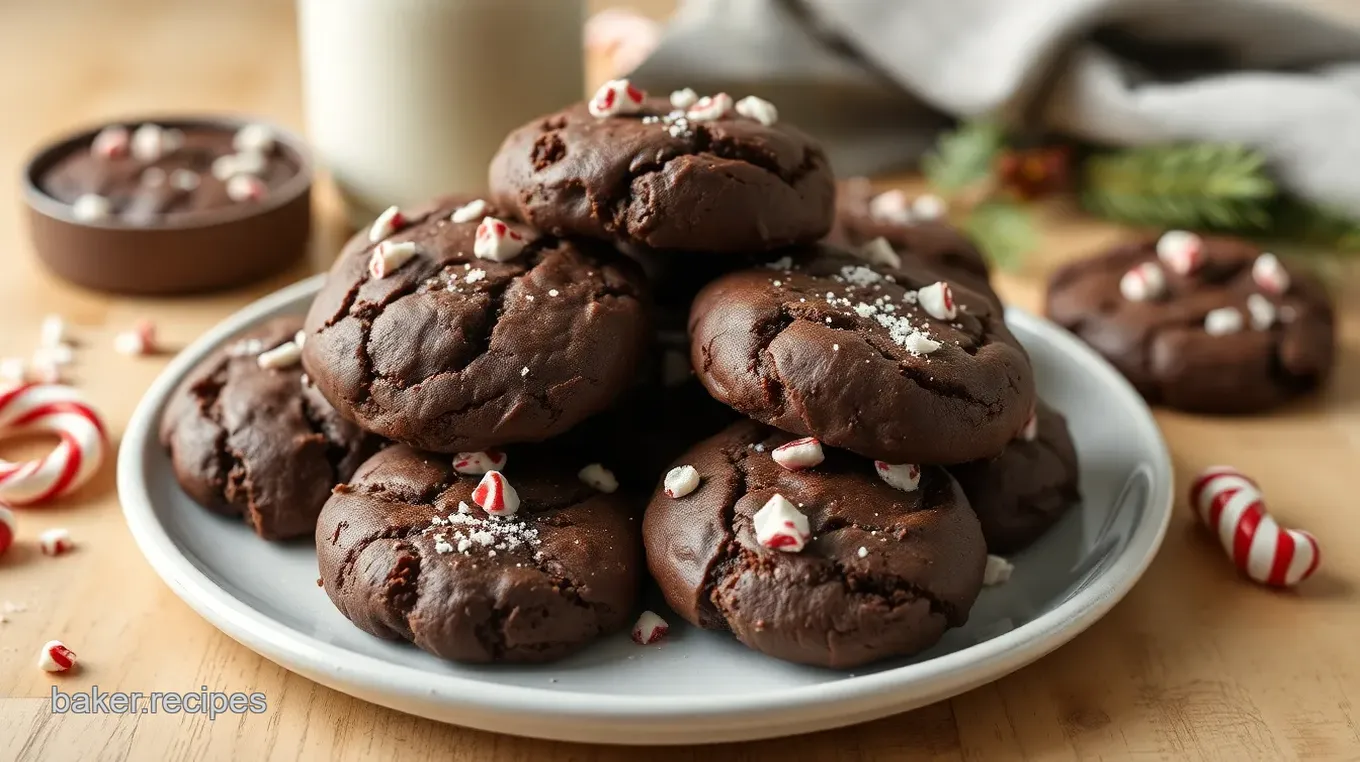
[[183, 253]]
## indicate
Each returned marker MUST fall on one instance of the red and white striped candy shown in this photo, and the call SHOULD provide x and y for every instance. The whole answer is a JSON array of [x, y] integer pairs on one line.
[[246, 188], [478, 463], [55, 542], [112, 142], [497, 241], [799, 454], [1231, 505], [710, 108], [780, 526], [681, 481], [56, 657], [389, 256], [649, 629], [387, 223], [39, 408], [7, 529], [495, 495], [938, 300], [903, 476], [617, 96], [1269, 274], [1181, 251], [1142, 283], [141, 340]]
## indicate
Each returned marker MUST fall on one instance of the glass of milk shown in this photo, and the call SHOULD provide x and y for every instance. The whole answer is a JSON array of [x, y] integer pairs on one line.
[[408, 99]]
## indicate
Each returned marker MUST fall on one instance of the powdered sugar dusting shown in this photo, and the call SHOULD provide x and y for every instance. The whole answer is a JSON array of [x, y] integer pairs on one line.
[[465, 533]]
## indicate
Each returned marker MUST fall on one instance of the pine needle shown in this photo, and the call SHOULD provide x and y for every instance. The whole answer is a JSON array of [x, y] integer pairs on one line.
[[963, 157], [1198, 185], [1003, 230]]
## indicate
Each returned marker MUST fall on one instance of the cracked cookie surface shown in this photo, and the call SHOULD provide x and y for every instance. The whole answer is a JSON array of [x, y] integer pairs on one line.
[[402, 560], [259, 443], [732, 185], [830, 605], [1161, 345], [820, 345], [456, 353], [1023, 491]]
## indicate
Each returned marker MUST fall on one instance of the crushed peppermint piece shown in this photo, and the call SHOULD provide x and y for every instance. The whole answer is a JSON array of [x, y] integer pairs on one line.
[[617, 96], [478, 463], [1269, 274], [681, 481], [758, 109], [710, 108], [285, 355], [389, 256], [937, 300], [599, 477], [903, 476], [91, 207], [1181, 251], [683, 98], [880, 252], [553, 292], [862, 552], [495, 495], [799, 454], [997, 571], [649, 629], [1223, 321], [783, 263], [919, 344], [474, 275], [780, 526], [929, 206], [1262, 312], [112, 142], [387, 223], [497, 241], [892, 207], [246, 188], [56, 657], [469, 211]]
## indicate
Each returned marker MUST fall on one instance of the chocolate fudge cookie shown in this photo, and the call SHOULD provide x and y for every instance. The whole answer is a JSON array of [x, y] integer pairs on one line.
[[405, 551], [1025, 490], [894, 365], [1209, 325], [478, 333], [259, 442], [911, 228], [888, 562], [660, 179]]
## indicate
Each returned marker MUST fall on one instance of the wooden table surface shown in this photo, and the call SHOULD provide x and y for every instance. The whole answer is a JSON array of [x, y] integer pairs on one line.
[[1196, 663]]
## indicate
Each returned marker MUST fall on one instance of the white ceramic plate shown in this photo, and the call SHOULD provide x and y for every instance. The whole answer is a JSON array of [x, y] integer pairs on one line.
[[695, 686]]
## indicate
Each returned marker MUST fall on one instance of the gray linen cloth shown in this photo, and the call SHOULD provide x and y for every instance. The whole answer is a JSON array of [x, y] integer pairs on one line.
[[877, 79]]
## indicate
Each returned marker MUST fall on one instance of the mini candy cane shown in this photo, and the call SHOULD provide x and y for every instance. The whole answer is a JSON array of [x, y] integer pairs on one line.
[[1230, 504], [7, 531], [60, 410]]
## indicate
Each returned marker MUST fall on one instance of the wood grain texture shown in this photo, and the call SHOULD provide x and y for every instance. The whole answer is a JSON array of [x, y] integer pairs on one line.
[[1194, 664]]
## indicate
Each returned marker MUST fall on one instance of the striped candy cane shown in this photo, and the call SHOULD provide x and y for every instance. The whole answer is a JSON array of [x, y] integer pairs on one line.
[[61, 410], [1230, 504]]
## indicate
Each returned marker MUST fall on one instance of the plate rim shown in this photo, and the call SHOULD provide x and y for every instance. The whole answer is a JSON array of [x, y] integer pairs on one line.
[[403, 687]]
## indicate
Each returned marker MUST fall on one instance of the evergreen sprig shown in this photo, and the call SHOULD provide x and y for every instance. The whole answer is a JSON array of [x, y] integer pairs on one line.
[[1003, 230], [964, 156], [1196, 185]]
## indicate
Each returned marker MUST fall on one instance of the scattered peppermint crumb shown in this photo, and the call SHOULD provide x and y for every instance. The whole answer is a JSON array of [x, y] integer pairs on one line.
[[835, 347], [530, 297], [777, 283], [783, 263], [863, 551], [474, 275], [828, 320], [524, 371], [553, 292], [760, 447]]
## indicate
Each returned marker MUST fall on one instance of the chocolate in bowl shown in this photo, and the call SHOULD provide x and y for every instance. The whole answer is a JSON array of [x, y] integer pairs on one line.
[[166, 223]]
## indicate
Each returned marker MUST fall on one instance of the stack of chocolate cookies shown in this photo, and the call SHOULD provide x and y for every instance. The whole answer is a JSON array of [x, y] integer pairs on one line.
[[658, 333]]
